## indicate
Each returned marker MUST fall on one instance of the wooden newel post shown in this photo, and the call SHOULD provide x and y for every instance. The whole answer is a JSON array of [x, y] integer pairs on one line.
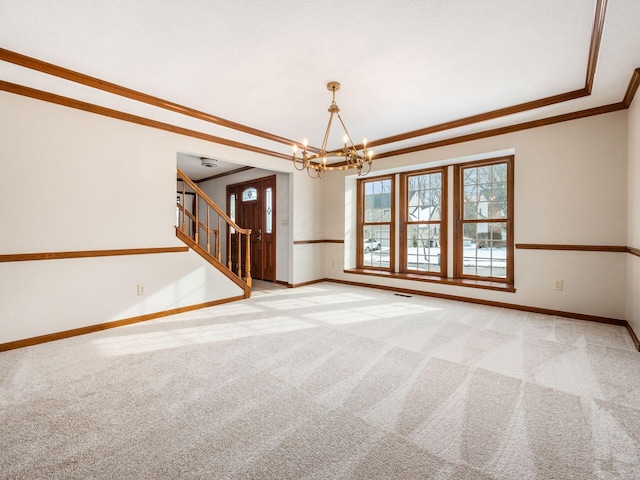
[[248, 260]]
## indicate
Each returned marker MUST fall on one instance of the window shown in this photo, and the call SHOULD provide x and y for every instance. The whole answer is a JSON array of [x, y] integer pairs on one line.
[[269, 210], [423, 231], [232, 210], [250, 194], [480, 230], [375, 223], [178, 204], [483, 240]]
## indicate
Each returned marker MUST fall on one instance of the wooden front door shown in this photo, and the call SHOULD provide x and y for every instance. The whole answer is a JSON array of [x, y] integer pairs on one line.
[[253, 206]]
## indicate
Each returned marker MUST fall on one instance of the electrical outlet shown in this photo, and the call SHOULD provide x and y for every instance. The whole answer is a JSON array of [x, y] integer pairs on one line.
[[141, 290], [558, 285]]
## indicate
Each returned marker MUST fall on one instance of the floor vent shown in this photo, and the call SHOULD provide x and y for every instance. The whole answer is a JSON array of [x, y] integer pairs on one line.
[[402, 295]]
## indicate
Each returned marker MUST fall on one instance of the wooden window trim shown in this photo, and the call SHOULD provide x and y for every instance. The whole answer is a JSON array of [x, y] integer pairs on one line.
[[458, 223], [449, 274], [458, 282], [443, 222], [361, 223]]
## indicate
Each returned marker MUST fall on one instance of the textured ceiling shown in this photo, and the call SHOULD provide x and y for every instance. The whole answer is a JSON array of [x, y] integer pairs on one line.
[[403, 65]]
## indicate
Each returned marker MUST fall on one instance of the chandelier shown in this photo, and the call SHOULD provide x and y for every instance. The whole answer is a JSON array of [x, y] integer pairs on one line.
[[315, 162]]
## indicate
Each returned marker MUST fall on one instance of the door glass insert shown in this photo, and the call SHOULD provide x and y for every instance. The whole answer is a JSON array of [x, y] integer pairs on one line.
[[232, 210], [269, 210], [250, 194]]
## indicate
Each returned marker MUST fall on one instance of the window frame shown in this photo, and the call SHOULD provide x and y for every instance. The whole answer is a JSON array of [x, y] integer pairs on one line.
[[443, 222], [452, 272], [361, 223], [459, 221]]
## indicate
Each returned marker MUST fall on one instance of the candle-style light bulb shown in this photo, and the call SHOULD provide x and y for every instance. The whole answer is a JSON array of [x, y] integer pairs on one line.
[[295, 148], [344, 140], [364, 142], [304, 142]]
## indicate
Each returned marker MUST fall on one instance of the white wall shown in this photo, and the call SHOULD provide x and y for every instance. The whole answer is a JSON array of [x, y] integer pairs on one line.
[[75, 181], [308, 212], [78, 181], [216, 190], [633, 218], [570, 188], [42, 297]]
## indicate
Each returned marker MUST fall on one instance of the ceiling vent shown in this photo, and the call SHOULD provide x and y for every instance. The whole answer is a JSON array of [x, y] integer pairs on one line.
[[209, 162]]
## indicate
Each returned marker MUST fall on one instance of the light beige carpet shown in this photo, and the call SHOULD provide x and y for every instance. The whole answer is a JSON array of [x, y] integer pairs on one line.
[[327, 382]]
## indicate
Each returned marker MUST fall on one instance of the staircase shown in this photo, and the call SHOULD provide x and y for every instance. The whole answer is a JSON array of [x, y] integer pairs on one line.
[[201, 225]]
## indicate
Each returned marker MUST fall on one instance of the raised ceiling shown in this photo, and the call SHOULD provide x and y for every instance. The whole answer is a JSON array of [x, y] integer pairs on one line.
[[260, 69]]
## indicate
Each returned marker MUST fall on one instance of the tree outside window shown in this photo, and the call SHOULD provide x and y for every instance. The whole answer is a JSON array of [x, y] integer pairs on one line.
[[375, 232], [483, 237], [482, 222], [424, 212]]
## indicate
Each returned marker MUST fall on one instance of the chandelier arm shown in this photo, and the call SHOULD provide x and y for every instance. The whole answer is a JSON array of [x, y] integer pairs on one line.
[[352, 156], [346, 131], [317, 172], [361, 168], [296, 160], [323, 148]]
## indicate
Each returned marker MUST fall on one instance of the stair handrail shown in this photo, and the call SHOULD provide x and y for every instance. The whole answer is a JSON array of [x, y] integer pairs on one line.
[[233, 226], [187, 180]]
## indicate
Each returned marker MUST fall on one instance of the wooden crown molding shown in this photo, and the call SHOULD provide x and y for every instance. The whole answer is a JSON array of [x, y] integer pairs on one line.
[[127, 117], [594, 49], [634, 83], [508, 129], [76, 77], [482, 117]]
